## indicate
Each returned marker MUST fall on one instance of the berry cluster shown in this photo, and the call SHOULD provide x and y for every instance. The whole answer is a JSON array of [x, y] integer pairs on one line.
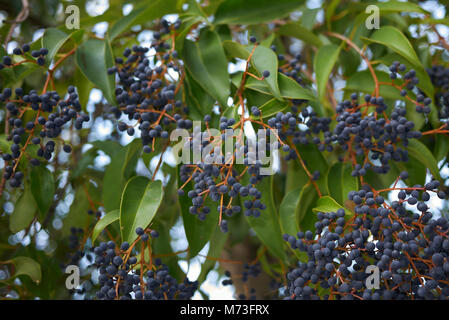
[[144, 93], [249, 270], [121, 278], [51, 115], [439, 75], [409, 248], [36, 56], [218, 178], [74, 245], [373, 140], [409, 82]]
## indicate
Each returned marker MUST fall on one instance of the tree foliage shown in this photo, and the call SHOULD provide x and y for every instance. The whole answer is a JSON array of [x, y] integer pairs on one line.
[[347, 108]]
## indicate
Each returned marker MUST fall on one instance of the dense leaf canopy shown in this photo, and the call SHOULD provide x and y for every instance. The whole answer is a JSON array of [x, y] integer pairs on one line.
[[349, 106]]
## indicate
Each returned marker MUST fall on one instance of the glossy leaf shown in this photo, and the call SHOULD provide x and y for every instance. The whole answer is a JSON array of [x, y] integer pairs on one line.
[[271, 108], [441, 147], [288, 87], [149, 10], [206, 62], [216, 245], [27, 266], [419, 151], [139, 204], [253, 11], [394, 39], [42, 188], [296, 30], [53, 39], [24, 212], [327, 204], [78, 216], [117, 173], [94, 58], [340, 182], [235, 50], [288, 212], [105, 221], [265, 59], [323, 64]]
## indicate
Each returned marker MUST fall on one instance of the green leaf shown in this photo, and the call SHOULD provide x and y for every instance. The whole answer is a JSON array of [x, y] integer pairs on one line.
[[348, 182], [53, 39], [200, 103], [271, 108], [309, 17], [416, 171], [296, 176], [267, 226], [117, 174], [235, 50], [288, 87], [265, 59], [24, 211], [441, 147], [206, 62], [216, 245], [400, 7], [307, 199], [419, 151], [188, 21], [108, 218], [83, 88], [288, 212], [362, 81], [424, 84], [161, 246], [94, 58], [330, 11], [86, 160], [297, 31], [394, 39], [340, 182], [42, 188], [292, 90], [253, 11], [5, 145], [327, 204], [314, 161], [139, 204], [148, 11], [108, 146], [334, 183], [78, 216], [27, 266], [323, 64]]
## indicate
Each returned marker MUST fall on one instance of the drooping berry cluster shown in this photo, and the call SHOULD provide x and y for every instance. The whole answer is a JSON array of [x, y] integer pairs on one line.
[[36, 56], [123, 276], [409, 248], [249, 270], [439, 75], [51, 113], [220, 177], [145, 95]]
